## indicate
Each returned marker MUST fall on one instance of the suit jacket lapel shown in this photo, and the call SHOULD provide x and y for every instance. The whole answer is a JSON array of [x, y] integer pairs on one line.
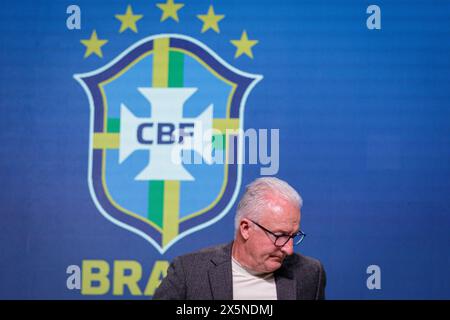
[[286, 285], [220, 275]]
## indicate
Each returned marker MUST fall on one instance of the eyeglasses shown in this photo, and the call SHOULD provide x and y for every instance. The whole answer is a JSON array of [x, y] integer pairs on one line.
[[282, 239]]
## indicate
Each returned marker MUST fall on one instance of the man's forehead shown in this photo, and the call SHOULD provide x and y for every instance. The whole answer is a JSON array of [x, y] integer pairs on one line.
[[282, 218], [280, 206]]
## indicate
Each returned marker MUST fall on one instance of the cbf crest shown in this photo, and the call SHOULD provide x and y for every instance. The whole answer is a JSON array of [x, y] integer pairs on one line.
[[164, 143]]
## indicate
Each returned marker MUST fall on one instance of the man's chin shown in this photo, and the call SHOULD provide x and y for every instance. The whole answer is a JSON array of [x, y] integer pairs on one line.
[[274, 263]]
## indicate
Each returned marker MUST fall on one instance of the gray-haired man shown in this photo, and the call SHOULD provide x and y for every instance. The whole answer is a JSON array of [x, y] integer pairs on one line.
[[260, 264]]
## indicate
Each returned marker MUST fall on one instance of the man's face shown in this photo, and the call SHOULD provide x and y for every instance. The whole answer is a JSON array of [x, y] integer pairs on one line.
[[280, 217]]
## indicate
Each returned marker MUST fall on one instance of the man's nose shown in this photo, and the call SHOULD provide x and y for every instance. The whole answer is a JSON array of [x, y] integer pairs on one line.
[[288, 248]]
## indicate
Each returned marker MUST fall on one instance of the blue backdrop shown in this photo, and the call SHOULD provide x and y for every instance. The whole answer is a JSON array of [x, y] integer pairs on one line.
[[364, 119]]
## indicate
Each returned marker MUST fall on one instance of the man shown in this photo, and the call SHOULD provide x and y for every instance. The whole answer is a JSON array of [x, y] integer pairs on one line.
[[260, 263]]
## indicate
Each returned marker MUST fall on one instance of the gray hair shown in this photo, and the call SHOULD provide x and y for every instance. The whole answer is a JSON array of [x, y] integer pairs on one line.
[[255, 197]]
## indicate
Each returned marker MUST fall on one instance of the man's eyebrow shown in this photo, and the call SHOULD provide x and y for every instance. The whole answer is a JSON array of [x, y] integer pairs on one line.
[[284, 233]]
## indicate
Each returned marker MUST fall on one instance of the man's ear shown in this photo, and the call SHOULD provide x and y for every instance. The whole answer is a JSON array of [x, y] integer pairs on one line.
[[244, 228]]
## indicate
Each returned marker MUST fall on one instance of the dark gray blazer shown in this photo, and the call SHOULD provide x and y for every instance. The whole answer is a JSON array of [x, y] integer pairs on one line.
[[207, 275]]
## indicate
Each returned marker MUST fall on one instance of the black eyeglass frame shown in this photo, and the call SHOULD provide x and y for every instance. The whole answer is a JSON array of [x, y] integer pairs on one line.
[[278, 236]]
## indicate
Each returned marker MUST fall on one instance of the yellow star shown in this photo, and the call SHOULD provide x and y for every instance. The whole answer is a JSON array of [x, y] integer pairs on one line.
[[93, 45], [170, 9], [210, 20], [244, 45], [128, 20]]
